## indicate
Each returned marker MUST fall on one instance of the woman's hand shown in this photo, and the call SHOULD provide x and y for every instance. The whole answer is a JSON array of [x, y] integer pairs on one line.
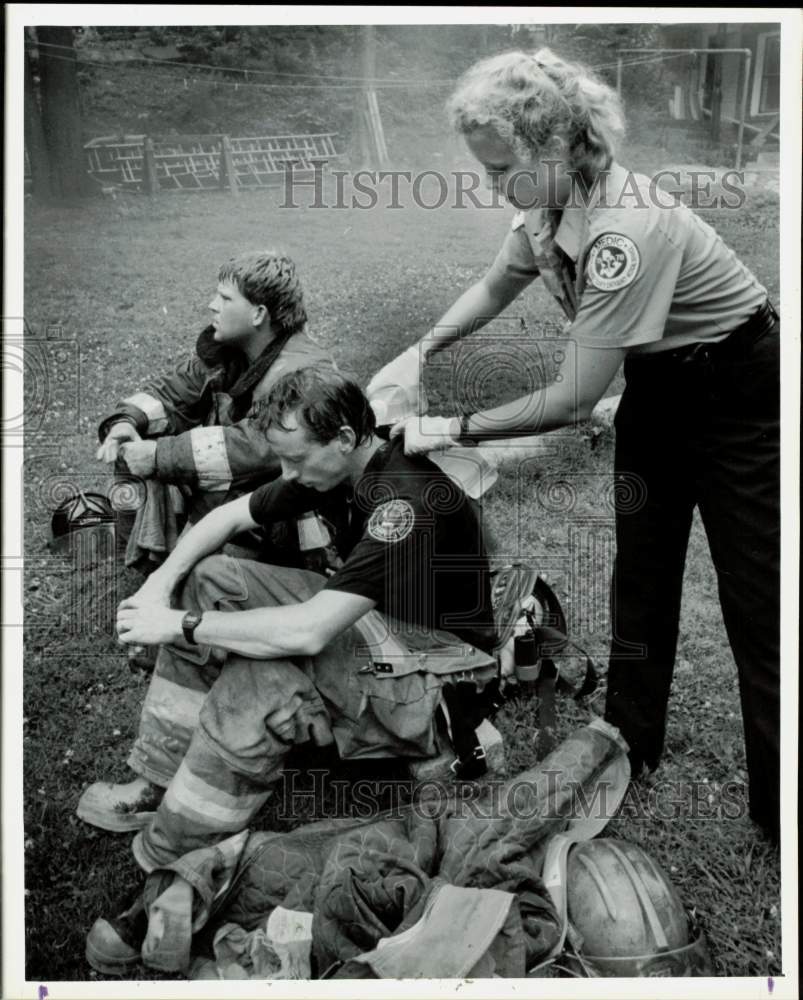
[[425, 434]]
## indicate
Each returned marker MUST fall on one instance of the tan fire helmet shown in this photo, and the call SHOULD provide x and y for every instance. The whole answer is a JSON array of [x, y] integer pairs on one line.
[[628, 917]]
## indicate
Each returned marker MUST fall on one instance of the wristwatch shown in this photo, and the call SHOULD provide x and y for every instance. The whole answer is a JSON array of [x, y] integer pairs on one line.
[[189, 623]]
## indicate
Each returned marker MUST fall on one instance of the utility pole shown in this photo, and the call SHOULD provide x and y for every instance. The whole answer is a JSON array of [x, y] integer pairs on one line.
[[367, 120], [368, 54], [716, 87]]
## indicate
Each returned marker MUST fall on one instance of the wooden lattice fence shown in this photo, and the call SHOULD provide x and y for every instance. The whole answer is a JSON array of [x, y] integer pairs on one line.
[[204, 162]]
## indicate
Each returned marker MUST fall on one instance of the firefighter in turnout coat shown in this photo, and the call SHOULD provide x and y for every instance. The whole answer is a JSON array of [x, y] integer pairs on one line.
[[188, 434]]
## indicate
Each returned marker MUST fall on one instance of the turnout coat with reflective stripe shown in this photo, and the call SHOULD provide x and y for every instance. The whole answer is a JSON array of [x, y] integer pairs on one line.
[[205, 439]]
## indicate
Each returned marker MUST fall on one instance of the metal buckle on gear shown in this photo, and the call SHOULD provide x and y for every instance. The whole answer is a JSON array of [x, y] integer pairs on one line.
[[376, 668], [477, 756]]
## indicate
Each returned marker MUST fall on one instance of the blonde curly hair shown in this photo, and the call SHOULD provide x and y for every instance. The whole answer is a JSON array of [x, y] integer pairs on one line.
[[531, 100]]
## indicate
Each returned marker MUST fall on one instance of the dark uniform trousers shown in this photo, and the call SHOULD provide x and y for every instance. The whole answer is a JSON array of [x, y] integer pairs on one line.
[[699, 426]]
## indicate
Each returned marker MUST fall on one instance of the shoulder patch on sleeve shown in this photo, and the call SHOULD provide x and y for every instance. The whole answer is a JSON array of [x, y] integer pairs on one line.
[[518, 221], [391, 521], [613, 262]]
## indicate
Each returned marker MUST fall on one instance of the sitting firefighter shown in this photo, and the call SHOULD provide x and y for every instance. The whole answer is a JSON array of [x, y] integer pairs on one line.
[[255, 658], [187, 434]]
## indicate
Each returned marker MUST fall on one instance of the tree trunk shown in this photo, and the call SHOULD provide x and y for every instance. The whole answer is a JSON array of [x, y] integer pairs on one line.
[[35, 138], [61, 116]]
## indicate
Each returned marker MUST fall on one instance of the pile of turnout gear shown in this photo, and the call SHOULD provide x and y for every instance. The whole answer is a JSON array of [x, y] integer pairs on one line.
[[505, 884]]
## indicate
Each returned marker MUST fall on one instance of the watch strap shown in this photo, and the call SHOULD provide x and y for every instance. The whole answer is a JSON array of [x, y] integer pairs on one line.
[[189, 623]]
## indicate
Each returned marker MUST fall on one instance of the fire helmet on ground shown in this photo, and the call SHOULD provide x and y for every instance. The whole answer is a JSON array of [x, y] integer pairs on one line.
[[629, 915], [81, 512]]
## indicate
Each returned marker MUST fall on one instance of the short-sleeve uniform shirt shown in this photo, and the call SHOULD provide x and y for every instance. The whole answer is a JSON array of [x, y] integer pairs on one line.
[[631, 270], [410, 539]]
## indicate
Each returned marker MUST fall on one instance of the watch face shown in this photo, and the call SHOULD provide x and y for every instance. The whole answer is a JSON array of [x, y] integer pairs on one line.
[[189, 623]]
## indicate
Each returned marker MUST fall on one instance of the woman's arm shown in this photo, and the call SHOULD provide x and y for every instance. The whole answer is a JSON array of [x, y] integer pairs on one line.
[[474, 309], [481, 303], [584, 376], [565, 401]]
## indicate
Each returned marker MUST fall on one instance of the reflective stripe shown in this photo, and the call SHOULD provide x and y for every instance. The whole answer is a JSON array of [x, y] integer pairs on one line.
[[194, 787], [211, 458], [152, 408], [230, 851], [207, 806]]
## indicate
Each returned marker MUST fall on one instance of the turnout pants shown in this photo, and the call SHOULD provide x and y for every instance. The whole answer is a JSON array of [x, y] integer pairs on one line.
[[700, 427], [215, 727]]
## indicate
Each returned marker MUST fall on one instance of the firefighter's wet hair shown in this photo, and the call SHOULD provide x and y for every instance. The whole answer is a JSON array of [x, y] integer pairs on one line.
[[322, 400]]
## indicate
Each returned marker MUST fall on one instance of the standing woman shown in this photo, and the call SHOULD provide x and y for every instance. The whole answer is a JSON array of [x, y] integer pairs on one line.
[[647, 282]]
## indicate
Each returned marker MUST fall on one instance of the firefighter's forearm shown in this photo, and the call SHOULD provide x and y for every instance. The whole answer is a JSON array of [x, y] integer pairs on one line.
[[261, 633], [207, 536]]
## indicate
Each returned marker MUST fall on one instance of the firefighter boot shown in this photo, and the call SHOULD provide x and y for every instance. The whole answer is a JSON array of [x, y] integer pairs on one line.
[[113, 945], [120, 808]]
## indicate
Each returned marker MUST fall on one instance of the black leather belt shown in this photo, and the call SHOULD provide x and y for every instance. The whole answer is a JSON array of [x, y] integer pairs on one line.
[[736, 344], [743, 337]]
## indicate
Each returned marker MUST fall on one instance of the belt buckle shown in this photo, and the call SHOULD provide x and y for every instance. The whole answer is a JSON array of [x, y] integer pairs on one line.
[[699, 352]]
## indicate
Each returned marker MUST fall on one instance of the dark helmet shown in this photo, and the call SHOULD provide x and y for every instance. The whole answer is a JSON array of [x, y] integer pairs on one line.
[[629, 916], [81, 512]]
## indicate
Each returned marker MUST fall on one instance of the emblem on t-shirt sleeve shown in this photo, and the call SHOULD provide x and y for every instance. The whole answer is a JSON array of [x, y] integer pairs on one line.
[[613, 262], [392, 521]]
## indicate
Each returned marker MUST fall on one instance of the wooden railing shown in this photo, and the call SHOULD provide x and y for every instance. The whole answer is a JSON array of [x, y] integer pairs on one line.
[[204, 162]]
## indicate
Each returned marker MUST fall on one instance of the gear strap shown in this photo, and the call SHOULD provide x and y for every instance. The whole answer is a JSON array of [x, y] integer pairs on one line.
[[467, 706], [552, 639]]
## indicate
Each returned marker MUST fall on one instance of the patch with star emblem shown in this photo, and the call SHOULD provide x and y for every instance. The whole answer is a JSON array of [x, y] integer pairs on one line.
[[392, 521], [613, 262]]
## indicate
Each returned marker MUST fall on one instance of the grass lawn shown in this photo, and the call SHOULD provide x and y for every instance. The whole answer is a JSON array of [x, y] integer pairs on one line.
[[125, 282]]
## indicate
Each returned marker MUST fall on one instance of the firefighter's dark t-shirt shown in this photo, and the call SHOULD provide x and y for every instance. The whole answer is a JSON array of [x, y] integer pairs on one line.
[[410, 539]]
